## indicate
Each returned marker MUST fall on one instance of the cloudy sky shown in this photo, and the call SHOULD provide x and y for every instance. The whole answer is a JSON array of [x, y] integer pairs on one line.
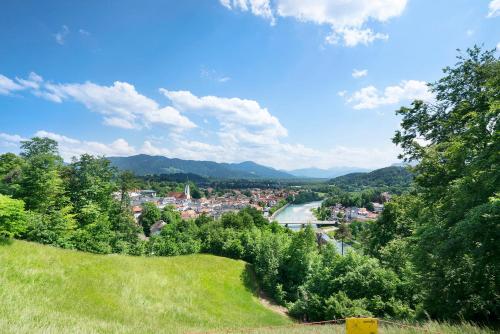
[[285, 83]]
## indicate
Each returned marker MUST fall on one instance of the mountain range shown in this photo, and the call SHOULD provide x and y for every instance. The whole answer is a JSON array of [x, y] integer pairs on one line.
[[143, 164]]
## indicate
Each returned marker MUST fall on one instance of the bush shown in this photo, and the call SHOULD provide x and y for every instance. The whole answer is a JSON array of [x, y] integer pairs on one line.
[[12, 217]]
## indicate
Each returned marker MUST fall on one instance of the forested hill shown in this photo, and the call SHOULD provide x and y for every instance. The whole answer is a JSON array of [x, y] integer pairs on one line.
[[394, 178], [143, 164]]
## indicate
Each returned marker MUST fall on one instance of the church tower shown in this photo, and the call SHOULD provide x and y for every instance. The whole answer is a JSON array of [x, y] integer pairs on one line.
[[187, 191]]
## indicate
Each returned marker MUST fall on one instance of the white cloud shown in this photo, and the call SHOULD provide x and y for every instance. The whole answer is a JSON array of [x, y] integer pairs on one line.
[[272, 153], [61, 35], [7, 86], [347, 19], [213, 75], [359, 73], [120, 103], [260, 8], [235, 115], [245, 130], [10, 141], [469, 32], [33, 81], [498, 46], [370, 97], [494, 8], [354, 36], [70, 147]]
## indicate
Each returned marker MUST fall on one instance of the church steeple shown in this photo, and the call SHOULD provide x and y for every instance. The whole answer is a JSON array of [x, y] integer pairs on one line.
[[187, 191]]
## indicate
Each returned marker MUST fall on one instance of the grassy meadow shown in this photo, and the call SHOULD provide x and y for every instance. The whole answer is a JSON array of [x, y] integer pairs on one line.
[[49, 290], [429, 328]]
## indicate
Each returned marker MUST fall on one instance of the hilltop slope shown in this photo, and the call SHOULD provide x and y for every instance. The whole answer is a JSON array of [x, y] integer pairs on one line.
[[389, 178], [50, 290]]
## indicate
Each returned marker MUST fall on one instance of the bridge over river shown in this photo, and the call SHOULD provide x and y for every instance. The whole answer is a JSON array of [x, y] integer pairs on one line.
[[297, 216], [305, 222]]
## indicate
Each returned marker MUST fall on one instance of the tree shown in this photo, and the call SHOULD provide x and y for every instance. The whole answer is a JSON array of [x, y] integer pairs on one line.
[[56, 228], [302, 255], [126, 182], [12, 217], [398, 220], [342, 233], [94, 234], [169, 215], [89, 182], [176, 238], [456, 140], [41, 185], [10, 173], [150, 215]]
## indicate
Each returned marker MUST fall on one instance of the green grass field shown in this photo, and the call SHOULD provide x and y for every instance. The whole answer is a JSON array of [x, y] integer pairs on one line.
[[50, 290]]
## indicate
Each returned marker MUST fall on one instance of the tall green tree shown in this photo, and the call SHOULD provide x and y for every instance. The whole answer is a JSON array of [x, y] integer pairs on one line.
[[302, 256], [41, 185], [90, 182], [343, 233], [456, 140]]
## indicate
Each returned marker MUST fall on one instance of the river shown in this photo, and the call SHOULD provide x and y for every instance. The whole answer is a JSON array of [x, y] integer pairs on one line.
[[297, 214]]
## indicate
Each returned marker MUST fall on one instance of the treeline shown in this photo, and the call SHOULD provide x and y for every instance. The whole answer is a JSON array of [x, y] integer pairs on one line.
[[164, 186], [69, 206], [304, 196]]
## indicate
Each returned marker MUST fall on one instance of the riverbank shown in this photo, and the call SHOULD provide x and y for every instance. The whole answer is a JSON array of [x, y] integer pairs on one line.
[[277, 212]]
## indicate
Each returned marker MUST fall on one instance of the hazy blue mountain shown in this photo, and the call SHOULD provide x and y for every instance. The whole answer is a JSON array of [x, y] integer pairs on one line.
[[326, 173], [144, 164]]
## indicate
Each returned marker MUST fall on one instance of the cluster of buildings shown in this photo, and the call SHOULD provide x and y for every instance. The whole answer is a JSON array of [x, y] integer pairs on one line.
[[339, 212], [214, 206]]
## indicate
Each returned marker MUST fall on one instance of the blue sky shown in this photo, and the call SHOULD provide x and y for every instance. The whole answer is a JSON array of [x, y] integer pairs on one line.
[[286, 83]]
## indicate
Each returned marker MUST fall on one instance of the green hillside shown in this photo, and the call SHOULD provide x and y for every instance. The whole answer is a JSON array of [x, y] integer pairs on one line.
[[392, 179], [50, 290]]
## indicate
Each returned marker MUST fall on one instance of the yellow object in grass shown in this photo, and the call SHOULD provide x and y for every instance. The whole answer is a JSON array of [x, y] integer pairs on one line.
[[361, 325]]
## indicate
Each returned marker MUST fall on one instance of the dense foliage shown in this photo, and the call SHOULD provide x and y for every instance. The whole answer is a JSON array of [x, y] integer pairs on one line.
[[70, 205], [394, 179], [447, 231], [304, 197]]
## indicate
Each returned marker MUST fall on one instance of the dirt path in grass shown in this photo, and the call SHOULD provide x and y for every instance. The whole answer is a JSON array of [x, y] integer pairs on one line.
[[270, 304], [251, 282]]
